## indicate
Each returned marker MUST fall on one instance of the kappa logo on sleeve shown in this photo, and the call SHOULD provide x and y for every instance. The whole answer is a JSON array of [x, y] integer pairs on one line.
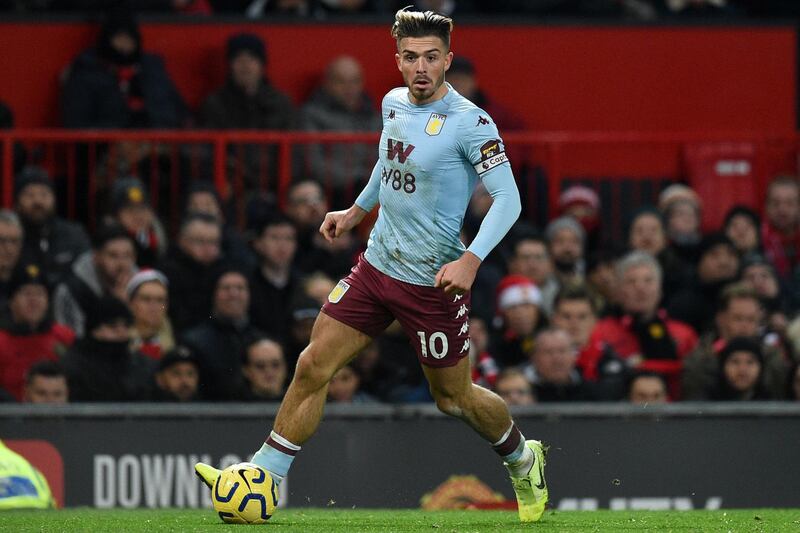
[[338, 292], [492, 155]]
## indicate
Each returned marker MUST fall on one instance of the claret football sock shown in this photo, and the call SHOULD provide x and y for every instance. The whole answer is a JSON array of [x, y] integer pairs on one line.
[[276, 456], [517, 457]]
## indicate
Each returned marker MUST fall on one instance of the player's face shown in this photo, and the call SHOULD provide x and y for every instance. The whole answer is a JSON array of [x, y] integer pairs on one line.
[[423, 62]]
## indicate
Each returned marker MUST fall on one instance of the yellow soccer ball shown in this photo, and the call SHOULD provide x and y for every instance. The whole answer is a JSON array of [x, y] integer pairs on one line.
[[244, 493]]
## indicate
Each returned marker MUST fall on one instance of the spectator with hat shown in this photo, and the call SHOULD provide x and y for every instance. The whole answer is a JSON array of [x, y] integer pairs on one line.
[[583, 204], [740, 374], [247, 100], [46, 382], [115, 84], [101, 367], [680, 206], [148, 300], [191, 266], [10, 249], [28, 333], [50, 241], [177, 376], [519, 317], [130, 207], [219, 341], [264, 370], [103, 271], [742, 225]]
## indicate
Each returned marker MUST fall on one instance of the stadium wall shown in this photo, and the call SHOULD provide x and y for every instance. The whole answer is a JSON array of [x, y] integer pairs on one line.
[[602, 456], [623, 78]]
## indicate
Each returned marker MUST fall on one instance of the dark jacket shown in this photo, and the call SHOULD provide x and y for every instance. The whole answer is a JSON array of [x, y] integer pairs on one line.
[[106, 372], [54, 245], [271, 306], [91, 97], [230, 108], [191, 288], [219, 345]]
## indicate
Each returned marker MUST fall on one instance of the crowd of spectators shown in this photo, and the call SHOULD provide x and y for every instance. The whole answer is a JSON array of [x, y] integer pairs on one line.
[[132, 312]]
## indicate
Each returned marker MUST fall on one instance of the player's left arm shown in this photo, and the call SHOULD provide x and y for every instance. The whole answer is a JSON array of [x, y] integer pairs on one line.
[[492, 165]]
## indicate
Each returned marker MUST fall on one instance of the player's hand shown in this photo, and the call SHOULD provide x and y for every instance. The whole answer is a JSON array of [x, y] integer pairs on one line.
[[457, 277], [338, 222]]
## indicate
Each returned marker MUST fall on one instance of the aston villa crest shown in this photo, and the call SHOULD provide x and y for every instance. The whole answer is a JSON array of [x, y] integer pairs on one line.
[[435, 124]]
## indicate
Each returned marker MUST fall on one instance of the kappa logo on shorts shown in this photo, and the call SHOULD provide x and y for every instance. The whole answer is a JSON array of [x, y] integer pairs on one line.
[[338, 291], [435, 124], [461, 311]]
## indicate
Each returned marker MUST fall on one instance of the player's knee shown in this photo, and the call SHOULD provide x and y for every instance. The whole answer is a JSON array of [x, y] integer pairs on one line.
[[449, 404], [312, 369]]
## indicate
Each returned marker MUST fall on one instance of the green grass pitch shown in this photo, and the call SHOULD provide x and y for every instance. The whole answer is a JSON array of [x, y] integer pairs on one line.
[[355, 520]]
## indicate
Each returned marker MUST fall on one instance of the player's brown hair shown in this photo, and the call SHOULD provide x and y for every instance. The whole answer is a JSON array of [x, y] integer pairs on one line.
[[421, 24]]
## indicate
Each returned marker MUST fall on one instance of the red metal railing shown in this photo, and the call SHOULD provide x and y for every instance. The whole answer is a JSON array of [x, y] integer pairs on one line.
[[628, 167]]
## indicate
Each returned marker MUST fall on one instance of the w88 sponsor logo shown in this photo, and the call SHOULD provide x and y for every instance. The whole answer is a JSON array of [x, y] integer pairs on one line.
[[399, 180]]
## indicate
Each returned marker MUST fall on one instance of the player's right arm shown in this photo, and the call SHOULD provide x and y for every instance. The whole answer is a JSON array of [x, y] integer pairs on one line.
[[338, 222]]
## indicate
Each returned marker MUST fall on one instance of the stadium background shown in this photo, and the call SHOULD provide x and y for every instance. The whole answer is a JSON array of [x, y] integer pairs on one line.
[[627, 107]]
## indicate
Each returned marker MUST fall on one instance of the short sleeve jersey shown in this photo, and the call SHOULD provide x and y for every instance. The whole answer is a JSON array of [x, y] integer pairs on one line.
[[430, 158]]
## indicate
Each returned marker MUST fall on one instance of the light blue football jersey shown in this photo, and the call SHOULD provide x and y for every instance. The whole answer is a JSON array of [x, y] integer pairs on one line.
[[430, 159]]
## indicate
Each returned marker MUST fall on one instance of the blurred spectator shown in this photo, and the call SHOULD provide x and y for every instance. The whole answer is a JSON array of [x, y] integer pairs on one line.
[[531, 258], [304, 312], [761, 276], [463, 78], [340, 104], [50, 241], [45, 382], [191, 268], [643, 334], [177, 377], [740, 314], [345, 387], [583, 204], [117, 85], [264, 371], [518, 301], [513, 387], [219, 341], [130, 207], [601, 280], [27, 334], [566, 239], [148, 300], [742, 225], [647, 233], [551, 369], [718, 265], [681, 209], [10, 249], [741, 369], [574, 312], [307, 207], [484, 367], [647, 388], [318, 286], [100, 367], [103, 271], [274, 283], [780, 230], [248, 101], [202, 197]]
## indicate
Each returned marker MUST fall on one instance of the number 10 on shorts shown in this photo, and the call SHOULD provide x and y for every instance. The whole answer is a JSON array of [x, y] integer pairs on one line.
[[436, 344]]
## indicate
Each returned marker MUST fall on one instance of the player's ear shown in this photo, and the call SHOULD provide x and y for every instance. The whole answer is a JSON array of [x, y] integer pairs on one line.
[[447, 60], [397, 60]]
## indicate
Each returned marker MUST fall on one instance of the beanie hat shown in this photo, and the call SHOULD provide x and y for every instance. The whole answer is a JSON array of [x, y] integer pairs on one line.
[[578, 195], [562, 223], [246, 42], [26, 274], [128, 192], [142, 277], [741, 344], [106, 310], [515, 290], [31, 175]]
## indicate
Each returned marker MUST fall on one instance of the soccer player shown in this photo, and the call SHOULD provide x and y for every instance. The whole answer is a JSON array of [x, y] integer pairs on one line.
[[434, 147]]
